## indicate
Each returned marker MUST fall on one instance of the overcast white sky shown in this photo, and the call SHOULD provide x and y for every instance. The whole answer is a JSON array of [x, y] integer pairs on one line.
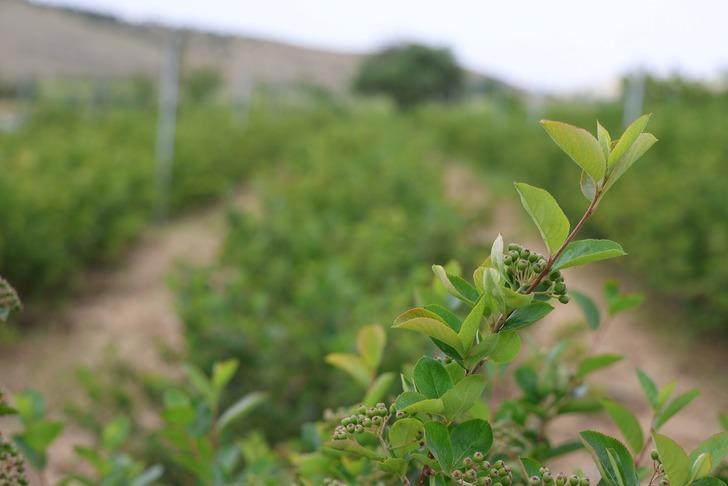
[[556, 45]]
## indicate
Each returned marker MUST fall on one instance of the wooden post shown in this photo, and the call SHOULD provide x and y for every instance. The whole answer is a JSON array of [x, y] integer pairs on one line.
[[166, 121]]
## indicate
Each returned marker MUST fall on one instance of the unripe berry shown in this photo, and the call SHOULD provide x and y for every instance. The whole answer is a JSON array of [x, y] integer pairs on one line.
[[525, 253], [533, 258], [555, 275], [584, 482], [514, 247], [522, 264], [376, 420], [361, 410], [655, 455], [351, 428], [499, 463], [547, 478], [574, 480], [468, 461], [564, 299], [534, 480], [507, 260], [471, 474], [486, 481], [457, 474], [401, 414], [478, 456], [559, 288], [359, 429]]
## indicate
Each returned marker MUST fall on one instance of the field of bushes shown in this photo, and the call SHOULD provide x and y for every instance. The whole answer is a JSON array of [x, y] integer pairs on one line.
[[297, 279]]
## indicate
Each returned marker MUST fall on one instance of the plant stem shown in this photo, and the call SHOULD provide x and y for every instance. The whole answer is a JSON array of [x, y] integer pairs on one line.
[[423, 475], [552, 258]]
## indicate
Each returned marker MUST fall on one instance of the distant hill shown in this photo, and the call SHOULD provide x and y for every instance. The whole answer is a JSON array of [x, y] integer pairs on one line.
[[42, 42]]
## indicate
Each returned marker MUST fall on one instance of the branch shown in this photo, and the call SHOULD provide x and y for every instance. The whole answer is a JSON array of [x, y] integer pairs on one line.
[[577, 228]]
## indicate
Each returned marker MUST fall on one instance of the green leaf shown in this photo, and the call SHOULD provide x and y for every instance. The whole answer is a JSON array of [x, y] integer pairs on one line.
[[674, 459], [351, 364], [471, 324], [496, 254], [628, 138], [394, 465], [723, 420], [352, 447], [545, 212], [516, 300], [431, 378], [437, 438], [580, 145], [582, 252], [716, 445], [200, 383], [593, 363], [446, 316], [115, 433], [428, 405], [627, 424], [588, 186], [605, 141], [531, 466], [222, 373], [455, 285], [700, 467], [649, 387], [470, 437], [463, 395], [667, 412], [239, 409], [407, 398], [525, 316], [405, 435], [588, 307], [509, 345], [708, 481], [379, 389], [429, 324], [665, 393], [482, 350], [455, 371], [370, 342], [39, 435], [637, 150], [600, 446]]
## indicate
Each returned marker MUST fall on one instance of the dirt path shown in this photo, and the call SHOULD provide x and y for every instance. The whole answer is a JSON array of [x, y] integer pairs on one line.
[[639, 335]]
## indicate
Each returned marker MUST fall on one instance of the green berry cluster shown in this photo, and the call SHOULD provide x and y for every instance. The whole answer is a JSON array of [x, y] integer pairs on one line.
[[477, 471], [546, 478], [9, 300], [523, 266], [659, 468], [365, 419], [12, 467]]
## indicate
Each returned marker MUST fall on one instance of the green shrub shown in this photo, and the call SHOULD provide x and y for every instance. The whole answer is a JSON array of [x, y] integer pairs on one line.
[[290, 283], [411, 74]]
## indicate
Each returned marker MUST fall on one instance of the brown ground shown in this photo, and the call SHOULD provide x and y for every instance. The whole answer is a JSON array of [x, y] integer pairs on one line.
[[131, 307]]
